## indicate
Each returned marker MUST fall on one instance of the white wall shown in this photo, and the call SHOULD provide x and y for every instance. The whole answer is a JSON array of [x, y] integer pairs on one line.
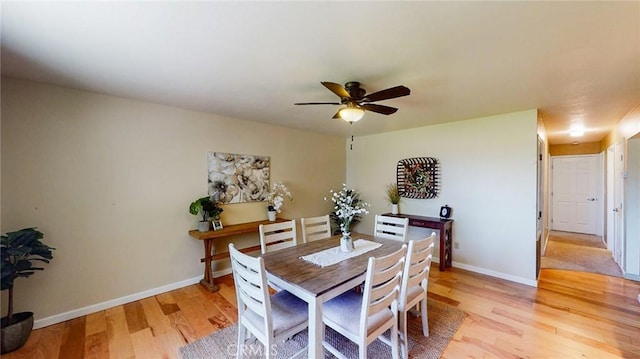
[[632, 209], [488, 168], [109, 181]]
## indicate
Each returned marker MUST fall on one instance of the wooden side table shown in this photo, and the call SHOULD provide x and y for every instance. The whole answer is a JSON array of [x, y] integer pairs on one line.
[[208, 239], [444, 225]]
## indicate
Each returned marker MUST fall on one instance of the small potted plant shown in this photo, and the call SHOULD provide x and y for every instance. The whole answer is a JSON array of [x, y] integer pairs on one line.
[[393, 196], [207, 209], [275, 199], [20, 250]]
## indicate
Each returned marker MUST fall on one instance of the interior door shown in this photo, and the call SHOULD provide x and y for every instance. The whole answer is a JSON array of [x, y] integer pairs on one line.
[[575, 193]]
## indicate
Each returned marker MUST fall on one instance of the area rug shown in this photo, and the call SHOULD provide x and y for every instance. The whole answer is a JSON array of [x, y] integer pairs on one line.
[[444, 320], [579, 252]]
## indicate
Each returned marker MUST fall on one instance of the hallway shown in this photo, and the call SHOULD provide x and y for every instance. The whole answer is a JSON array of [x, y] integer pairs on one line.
[[579, 252]]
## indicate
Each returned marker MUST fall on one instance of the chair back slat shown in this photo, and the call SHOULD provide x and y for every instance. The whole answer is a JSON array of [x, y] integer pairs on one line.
[[250, 278], [283, 232], [381, 284], [391, 227], [315, 228], [417, 265]]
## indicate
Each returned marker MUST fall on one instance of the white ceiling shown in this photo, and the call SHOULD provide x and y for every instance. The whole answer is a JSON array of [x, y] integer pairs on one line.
[[575, 61]]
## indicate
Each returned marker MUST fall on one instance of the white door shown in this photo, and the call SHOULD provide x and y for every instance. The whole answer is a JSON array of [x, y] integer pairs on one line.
[[618, 222], [610, 214], [575, 193]]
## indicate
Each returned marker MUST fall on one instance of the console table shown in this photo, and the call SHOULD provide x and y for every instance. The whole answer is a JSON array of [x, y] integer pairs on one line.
[[444, 225], [208, 238]]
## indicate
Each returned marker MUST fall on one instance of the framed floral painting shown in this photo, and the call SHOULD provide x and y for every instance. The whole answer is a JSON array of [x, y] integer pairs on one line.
[[418, 177], [237, 178]]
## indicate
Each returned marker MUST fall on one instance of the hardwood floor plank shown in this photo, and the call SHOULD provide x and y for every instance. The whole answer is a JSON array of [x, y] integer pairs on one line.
[[136, 319], [119, 338], [96, 346], [144, 344], [96, 323], [72, 345], [156, 318], [569, 315]]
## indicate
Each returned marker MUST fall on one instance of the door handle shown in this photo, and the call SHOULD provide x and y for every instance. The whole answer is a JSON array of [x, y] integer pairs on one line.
[[591, 199], [615, 210]]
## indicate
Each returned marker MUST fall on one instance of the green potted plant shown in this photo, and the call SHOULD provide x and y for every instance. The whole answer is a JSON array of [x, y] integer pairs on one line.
[[20, 250], [393, 196], [206, 208]]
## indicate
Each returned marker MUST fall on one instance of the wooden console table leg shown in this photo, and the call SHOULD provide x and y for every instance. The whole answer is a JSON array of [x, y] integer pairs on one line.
[[446, 244], [207, 281]]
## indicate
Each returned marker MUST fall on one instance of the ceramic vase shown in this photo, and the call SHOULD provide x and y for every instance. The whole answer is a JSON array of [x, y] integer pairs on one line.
[[271, 215], [346, 243], [394, 209]]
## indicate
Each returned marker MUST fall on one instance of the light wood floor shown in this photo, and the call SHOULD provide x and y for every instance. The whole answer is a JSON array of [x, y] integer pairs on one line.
[[570, 315]]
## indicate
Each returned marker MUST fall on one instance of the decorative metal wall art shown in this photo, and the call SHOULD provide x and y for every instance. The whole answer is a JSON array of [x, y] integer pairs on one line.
[[418, 177], [235, 178]]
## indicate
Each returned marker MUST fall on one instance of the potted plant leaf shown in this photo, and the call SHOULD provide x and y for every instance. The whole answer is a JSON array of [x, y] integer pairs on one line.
[[20, 250], [393, 196], [206, 208]]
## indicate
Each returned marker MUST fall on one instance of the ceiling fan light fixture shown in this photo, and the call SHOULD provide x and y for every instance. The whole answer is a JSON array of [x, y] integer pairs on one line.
[[351, 114]]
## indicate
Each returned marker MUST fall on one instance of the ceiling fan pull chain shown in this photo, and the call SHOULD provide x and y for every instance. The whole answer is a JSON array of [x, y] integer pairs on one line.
[[351, 145]]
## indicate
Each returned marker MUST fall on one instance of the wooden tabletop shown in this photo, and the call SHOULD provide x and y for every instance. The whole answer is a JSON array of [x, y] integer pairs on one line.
[[287, 265]]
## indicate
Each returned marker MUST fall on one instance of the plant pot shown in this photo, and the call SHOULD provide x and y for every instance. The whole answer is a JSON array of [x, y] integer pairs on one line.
[[204, 226], [271, 215], [15, 335], [394, 209]]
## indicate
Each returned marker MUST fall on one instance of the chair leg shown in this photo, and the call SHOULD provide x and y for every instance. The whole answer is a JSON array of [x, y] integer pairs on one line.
[[402, 329], [394, 341], [241, 338], [425, 318]]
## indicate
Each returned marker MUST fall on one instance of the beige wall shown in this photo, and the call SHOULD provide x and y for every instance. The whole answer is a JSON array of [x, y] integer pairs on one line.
[[109, 181], [488, 168], [567, 149]]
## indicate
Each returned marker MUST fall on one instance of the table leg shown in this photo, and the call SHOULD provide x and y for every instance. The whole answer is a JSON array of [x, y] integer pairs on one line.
[[446, 245], [316, 329], [207, 281]]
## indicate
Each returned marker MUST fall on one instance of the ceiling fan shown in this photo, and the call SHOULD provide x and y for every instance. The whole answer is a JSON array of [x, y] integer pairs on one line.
[[357, 101]]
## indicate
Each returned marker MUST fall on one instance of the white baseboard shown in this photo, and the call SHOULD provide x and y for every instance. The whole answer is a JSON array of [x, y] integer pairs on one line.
[[509, 277], [58, 318], [491, 273]]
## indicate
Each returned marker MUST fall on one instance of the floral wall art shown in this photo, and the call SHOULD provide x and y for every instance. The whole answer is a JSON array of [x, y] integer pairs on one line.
[[237, 178]]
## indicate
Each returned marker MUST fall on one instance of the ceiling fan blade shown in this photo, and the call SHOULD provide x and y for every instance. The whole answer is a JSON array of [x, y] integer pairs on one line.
[[317, 103], [392, 92], [336, 89], [337, 115], [385, 110]]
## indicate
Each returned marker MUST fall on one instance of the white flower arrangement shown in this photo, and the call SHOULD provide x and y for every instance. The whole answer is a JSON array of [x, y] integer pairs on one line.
[[277, 195], [347, 206]]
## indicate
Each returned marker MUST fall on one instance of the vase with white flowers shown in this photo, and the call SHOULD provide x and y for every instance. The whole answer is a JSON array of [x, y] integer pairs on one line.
[[275, 199], [347, 205]]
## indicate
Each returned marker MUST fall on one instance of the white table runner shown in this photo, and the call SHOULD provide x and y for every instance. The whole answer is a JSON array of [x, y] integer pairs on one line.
[[334, 255]]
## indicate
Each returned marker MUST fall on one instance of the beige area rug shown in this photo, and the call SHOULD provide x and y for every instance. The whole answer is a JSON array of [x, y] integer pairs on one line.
[[579, 252], [444, 320]]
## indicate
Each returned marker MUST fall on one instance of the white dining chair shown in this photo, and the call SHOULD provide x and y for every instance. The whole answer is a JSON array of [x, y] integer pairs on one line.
[[314, 228], [274, 236], [391, 227], [364, 317], [413, 290], [270, 319]]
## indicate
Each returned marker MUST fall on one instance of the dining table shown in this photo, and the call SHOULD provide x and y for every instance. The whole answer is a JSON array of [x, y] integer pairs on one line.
[[315, 284]]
